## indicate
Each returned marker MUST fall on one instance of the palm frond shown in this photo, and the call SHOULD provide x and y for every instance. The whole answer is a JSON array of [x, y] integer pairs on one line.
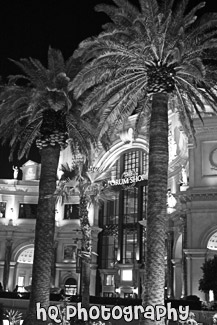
[[116, 79], [56, 62], [28, 136]]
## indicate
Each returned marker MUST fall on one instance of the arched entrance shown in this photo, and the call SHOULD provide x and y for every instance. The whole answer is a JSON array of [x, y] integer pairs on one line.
[[122, 240], [24, 268], [70, 287]]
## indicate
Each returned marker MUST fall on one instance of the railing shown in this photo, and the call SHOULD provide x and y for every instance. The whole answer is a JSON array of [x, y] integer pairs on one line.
[[175, 303]]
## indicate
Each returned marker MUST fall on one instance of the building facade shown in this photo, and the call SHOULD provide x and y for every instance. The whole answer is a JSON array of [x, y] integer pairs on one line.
[[119, 226]]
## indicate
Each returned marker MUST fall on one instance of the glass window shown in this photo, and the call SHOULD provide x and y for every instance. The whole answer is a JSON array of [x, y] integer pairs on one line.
[[108, 294], [128, 295], [126, 275], [71, 287], [27, 211], [109, 249], [26, 256], [2, 209], [21, 283], [71, 290], [109, 280], [71, 211]]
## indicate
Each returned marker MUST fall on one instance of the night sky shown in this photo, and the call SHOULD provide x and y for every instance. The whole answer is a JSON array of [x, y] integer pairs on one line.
[[28, 27]]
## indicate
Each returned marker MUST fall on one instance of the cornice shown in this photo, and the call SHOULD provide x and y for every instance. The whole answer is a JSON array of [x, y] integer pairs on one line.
[[195, 252], [206, 129], [17, 229], [205, 196]]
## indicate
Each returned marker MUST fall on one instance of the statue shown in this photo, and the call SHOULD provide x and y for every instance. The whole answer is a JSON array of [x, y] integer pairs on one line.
[[184, 178], [171, 201], [127, 136], [16, 171]]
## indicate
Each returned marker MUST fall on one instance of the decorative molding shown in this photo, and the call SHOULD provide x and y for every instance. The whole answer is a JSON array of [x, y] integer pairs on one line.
[[17, 228], [195, 252], [95, 231], [213, 158], [205, 129], [108, 158], [203, 196]]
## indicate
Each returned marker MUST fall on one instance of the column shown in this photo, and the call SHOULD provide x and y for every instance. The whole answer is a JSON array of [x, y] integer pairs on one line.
[[8, 251], [184, 246], [169, 243], [120, 229], [93, 270], [195, 258], [177, 271]]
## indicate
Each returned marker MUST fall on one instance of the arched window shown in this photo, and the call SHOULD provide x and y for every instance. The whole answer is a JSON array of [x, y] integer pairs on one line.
[[24, 269], [212, 242], [71, 287], [26, 256]]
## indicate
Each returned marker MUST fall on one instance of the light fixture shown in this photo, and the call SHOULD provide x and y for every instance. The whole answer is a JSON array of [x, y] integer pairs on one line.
[[127, 275], [135, 290], [118, 290]]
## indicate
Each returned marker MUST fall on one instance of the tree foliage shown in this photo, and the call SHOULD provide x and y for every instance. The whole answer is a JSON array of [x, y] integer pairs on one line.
[[159, 47], [38, 106], [209, 279]]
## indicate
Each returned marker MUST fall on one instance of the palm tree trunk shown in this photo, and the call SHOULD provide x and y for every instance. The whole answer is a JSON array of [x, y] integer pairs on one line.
[[156, 209], [85, 284], [86, 252], [44, 234]]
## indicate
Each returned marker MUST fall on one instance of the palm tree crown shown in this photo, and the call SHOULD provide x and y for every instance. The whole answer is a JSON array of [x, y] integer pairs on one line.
[[39, 106], [147, 50]]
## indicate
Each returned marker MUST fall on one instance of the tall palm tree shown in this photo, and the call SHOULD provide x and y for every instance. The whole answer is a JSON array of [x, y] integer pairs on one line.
[[146, 59], [39, 107], [91, 185]]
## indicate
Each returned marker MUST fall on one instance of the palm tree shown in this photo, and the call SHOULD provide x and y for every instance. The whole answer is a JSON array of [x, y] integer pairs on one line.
[[39, 107], [148, 59], [91, 185]]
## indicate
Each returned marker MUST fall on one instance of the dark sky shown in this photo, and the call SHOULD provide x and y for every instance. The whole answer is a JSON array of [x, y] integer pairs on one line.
[[28, 27]]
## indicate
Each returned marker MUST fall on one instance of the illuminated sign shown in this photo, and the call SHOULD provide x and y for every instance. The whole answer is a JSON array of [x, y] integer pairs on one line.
[[129, 178]]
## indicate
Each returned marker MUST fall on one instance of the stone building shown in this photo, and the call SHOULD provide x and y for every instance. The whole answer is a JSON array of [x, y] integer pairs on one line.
[[118, 227]]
